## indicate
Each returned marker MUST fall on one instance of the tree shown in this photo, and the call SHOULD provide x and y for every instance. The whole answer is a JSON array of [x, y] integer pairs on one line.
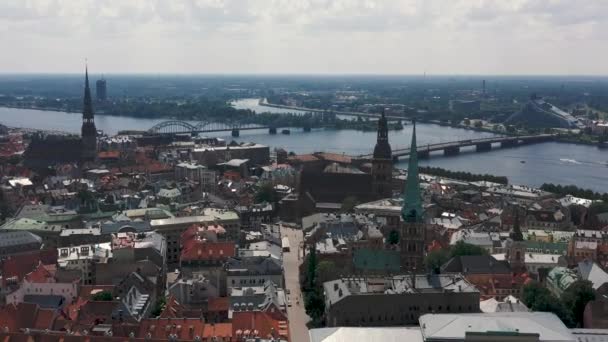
[[349, 204], [478, 124], [160, 306], [266, 193], [326, 271], [462, 248], [314, 303], [393, 237], [104, 296], [466, 122], [576, 298], [539, 298], [312, 266], [435, 259]]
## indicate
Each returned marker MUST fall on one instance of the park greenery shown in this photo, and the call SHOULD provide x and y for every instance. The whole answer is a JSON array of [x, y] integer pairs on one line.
[[461, 175], [569, 307], [104, 296], [435, 259], [312, 289], [575, 191]]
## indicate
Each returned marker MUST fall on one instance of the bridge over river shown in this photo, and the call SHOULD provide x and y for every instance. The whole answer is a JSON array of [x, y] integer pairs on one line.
[[483, 144]]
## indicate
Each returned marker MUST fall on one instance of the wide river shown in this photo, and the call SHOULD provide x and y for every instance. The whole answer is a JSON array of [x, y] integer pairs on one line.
[[584, 166]]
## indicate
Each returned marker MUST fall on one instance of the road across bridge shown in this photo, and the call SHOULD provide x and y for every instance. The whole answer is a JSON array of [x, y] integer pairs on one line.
[[483, 144]]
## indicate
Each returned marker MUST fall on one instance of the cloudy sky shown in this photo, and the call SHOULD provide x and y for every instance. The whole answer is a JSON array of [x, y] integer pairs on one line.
[[305, 36]]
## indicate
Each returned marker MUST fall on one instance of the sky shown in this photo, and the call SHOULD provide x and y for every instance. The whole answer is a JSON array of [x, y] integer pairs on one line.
[[444, 37]]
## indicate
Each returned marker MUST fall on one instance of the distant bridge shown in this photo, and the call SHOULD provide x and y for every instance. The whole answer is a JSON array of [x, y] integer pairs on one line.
[[184, 127], [483, 144]]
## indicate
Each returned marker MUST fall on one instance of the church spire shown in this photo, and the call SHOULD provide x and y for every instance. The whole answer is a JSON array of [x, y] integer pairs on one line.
[[382, 150], [87, 109], [412, 201]]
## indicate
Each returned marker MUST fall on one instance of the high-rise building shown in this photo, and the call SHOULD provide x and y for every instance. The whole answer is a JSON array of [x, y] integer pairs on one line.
[[89, 132], [382, 162], [100, 89], [413, 229]]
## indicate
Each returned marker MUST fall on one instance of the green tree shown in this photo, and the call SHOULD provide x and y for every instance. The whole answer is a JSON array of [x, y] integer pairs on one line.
[[462, 248], [576, 298], [478, 124], [393, 237], [312, 266], [104, 296], [467, 122], [539, 298], [160, 306], [435, 259], [326, 271], [349, 204], [266, 193], [314, 303]]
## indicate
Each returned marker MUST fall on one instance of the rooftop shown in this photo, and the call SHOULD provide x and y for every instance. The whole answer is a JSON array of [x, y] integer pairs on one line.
[[454, 326], [338, 289]]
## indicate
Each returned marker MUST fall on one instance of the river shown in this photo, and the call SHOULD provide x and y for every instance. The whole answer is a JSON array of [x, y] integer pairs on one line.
[[547, 162]]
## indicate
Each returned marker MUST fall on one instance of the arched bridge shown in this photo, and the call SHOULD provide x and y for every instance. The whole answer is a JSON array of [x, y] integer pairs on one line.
[[484, 144], [184, 127]]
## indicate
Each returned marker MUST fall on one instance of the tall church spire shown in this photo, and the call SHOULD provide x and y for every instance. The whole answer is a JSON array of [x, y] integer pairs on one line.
[[87, 109], [412, 205], [88, 131], [382, 150], [516, 234]]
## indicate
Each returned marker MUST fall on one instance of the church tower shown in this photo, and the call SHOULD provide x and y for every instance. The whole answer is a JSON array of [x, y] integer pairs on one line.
[[413, 229], [89, 132], [382, 162], [516, 248]]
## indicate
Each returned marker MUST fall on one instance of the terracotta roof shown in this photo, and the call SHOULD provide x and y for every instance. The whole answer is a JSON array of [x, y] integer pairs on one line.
[[26, 315], [161, 328], [205, 250], [223, 330], [216, 304], [39, 275], [258, 323], [25, 263], [174, 309], [108, 155]]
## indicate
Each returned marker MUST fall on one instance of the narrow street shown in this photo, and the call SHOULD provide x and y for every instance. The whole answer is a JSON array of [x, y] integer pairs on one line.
[[291, 261]]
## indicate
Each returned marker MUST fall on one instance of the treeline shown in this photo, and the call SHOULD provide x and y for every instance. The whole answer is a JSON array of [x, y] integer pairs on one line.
[[575, 191], [461, 175]]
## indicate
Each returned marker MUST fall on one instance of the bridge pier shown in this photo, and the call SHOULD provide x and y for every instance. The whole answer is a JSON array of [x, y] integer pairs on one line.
[[395, 159], [272, 130], [483, 147], [451, 151], [508, 143], [235, 132]]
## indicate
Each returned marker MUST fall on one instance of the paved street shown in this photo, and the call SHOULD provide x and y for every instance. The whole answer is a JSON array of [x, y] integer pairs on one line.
[[297, 315]]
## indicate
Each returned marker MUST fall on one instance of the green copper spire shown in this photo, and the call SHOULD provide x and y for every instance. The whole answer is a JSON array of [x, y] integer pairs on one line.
[[412, 201]]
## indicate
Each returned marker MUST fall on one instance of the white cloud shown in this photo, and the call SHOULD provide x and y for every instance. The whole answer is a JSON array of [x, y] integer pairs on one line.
[[305, 36]]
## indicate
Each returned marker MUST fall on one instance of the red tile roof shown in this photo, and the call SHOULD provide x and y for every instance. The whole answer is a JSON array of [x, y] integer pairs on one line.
[[302, 158], [218, 304], [220, 330], [204, 250], [39, 275], [258, 323], [26, 315], [108, 155], [25, 263], [334, 157], [161, 328]]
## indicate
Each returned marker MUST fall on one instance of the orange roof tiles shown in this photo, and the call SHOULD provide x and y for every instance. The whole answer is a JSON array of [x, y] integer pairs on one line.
[[218, 304], [223, 330], [195, 249], [334, 157], [39, 275], [258, 323], [303, 158], [109, 155], [162, 328]]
